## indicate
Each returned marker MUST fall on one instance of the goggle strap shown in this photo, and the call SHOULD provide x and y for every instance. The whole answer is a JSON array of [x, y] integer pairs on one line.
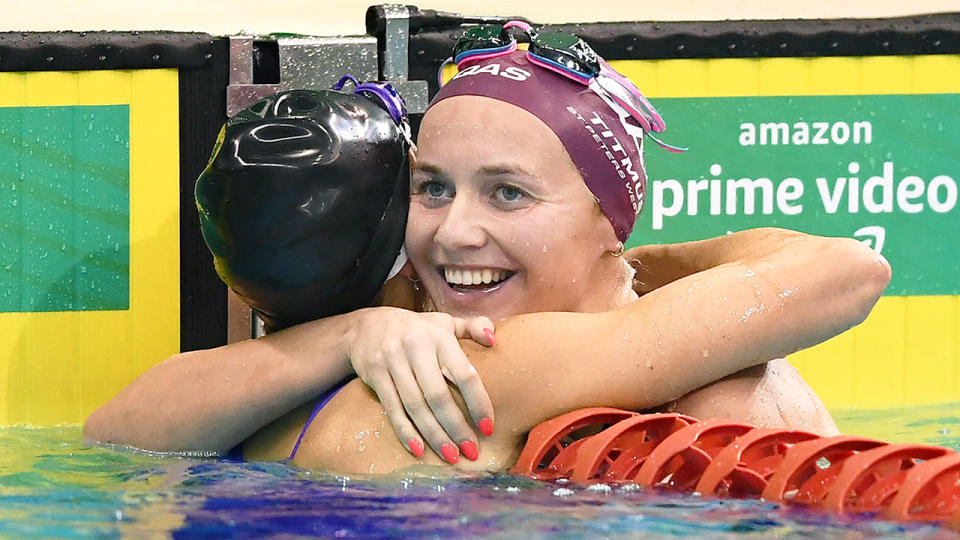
[[576, 76], [476, 55], [518, 24], [343, 80], [634, 131], [445, 63], [385, 94], [650, 111], [666, 146], [637, 115]]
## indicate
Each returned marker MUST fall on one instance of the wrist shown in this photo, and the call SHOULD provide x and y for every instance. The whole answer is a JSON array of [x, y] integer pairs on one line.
[[352, 330]]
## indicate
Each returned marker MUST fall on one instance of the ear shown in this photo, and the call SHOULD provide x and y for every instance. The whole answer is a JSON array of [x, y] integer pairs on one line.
[[608, 237]]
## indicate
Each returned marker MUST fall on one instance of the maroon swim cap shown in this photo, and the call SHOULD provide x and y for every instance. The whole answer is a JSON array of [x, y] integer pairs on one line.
[[609, 159]]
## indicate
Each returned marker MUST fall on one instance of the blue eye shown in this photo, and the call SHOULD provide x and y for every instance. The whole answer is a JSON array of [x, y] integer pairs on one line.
[[510, 193], [433, 193], [434, 189]]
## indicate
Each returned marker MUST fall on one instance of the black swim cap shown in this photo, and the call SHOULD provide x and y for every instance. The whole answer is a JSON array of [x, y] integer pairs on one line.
[[304, 203]]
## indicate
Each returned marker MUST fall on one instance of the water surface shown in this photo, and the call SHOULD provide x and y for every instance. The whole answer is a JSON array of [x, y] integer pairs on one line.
[[52, 485]]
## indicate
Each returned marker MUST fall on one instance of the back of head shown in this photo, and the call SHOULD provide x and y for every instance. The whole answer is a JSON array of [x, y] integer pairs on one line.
[[304, 203]]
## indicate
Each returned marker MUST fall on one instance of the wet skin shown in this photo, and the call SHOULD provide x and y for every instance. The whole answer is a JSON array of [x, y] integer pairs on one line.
[[479, 205], [493, 188]]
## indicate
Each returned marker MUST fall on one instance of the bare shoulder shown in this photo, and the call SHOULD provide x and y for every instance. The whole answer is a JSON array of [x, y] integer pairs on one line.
[[771, 395]]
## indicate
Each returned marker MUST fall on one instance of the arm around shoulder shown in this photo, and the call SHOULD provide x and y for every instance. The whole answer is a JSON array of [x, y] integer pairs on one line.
[[757, 296]]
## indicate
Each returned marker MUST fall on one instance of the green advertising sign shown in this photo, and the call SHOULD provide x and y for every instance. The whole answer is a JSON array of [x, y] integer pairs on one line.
[[64, 190], [880, 168]]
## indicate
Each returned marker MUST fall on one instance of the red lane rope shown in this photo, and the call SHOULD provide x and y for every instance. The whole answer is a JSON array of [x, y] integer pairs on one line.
[[721, 458]]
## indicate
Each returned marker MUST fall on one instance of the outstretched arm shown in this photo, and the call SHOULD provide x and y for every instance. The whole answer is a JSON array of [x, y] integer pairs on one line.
[[785, 292], [772, 394], [211, 400], [659, 264]]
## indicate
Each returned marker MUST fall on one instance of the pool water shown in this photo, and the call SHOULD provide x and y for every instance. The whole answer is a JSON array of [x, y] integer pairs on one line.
[[52, 485]]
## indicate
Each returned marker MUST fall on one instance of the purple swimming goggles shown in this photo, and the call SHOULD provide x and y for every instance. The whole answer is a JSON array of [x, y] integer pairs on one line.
[[571, 57], [387, 95]]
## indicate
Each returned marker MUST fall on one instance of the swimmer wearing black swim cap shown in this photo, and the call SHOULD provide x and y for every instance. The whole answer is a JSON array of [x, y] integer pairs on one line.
[[304, 201]]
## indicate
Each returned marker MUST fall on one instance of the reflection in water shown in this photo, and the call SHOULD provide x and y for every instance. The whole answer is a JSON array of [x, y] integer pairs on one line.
[[52, 485]]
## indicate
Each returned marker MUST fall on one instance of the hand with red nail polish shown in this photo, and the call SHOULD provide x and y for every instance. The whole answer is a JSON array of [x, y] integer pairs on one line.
[[486, 426], [450, 452], [469, 449], [416, 447], [407, 359]]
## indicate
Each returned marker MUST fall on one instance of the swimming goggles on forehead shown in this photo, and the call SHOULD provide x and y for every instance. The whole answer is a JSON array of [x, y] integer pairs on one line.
[[568, 56], [387, 96]]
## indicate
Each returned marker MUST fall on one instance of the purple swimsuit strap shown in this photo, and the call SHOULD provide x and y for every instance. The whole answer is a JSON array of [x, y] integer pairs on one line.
[[324, 399]]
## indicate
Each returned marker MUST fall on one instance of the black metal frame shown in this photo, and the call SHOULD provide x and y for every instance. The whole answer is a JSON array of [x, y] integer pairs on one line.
[[925, 34]]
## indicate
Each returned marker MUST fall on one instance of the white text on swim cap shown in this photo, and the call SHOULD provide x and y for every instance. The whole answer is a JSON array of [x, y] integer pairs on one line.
[[624, 167], [510, 72]]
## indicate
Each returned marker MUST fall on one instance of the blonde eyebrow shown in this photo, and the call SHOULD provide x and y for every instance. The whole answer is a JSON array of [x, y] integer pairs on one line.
[[497, 169], [426, 167]]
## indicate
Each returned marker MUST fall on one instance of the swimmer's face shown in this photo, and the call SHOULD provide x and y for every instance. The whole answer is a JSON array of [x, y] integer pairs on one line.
[[501, 222]]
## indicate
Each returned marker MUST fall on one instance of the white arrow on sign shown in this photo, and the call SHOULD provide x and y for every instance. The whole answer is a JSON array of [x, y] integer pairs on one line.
[[875, 236]]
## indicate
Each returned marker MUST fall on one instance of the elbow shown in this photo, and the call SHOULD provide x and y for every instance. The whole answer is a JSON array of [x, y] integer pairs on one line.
[[95, 427], [129, 418], [867, 274]]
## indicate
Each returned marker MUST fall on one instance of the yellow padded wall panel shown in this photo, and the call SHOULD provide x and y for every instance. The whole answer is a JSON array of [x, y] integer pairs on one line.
[[57, 364]]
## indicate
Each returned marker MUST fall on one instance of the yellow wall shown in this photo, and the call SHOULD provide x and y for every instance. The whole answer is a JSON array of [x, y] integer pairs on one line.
[[57, 367]]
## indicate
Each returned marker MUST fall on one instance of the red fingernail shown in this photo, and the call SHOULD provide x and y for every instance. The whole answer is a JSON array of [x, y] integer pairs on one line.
[[416, 447], [489, 333], [450, 452], [469, 449], [486, 426]]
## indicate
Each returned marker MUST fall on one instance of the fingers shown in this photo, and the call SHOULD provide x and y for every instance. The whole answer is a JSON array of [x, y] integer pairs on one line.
[[407, 359], [465, 376], [479, 329], [383, 384], [424, 356], [418, 409]]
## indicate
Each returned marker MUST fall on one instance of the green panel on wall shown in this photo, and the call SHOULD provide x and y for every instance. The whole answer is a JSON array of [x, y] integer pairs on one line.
[[65, 200], [880, 168]]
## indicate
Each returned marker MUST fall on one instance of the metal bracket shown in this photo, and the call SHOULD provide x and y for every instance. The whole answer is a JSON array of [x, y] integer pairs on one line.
[[305, 63], [241, 92], [318, 62], [396, 42]]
